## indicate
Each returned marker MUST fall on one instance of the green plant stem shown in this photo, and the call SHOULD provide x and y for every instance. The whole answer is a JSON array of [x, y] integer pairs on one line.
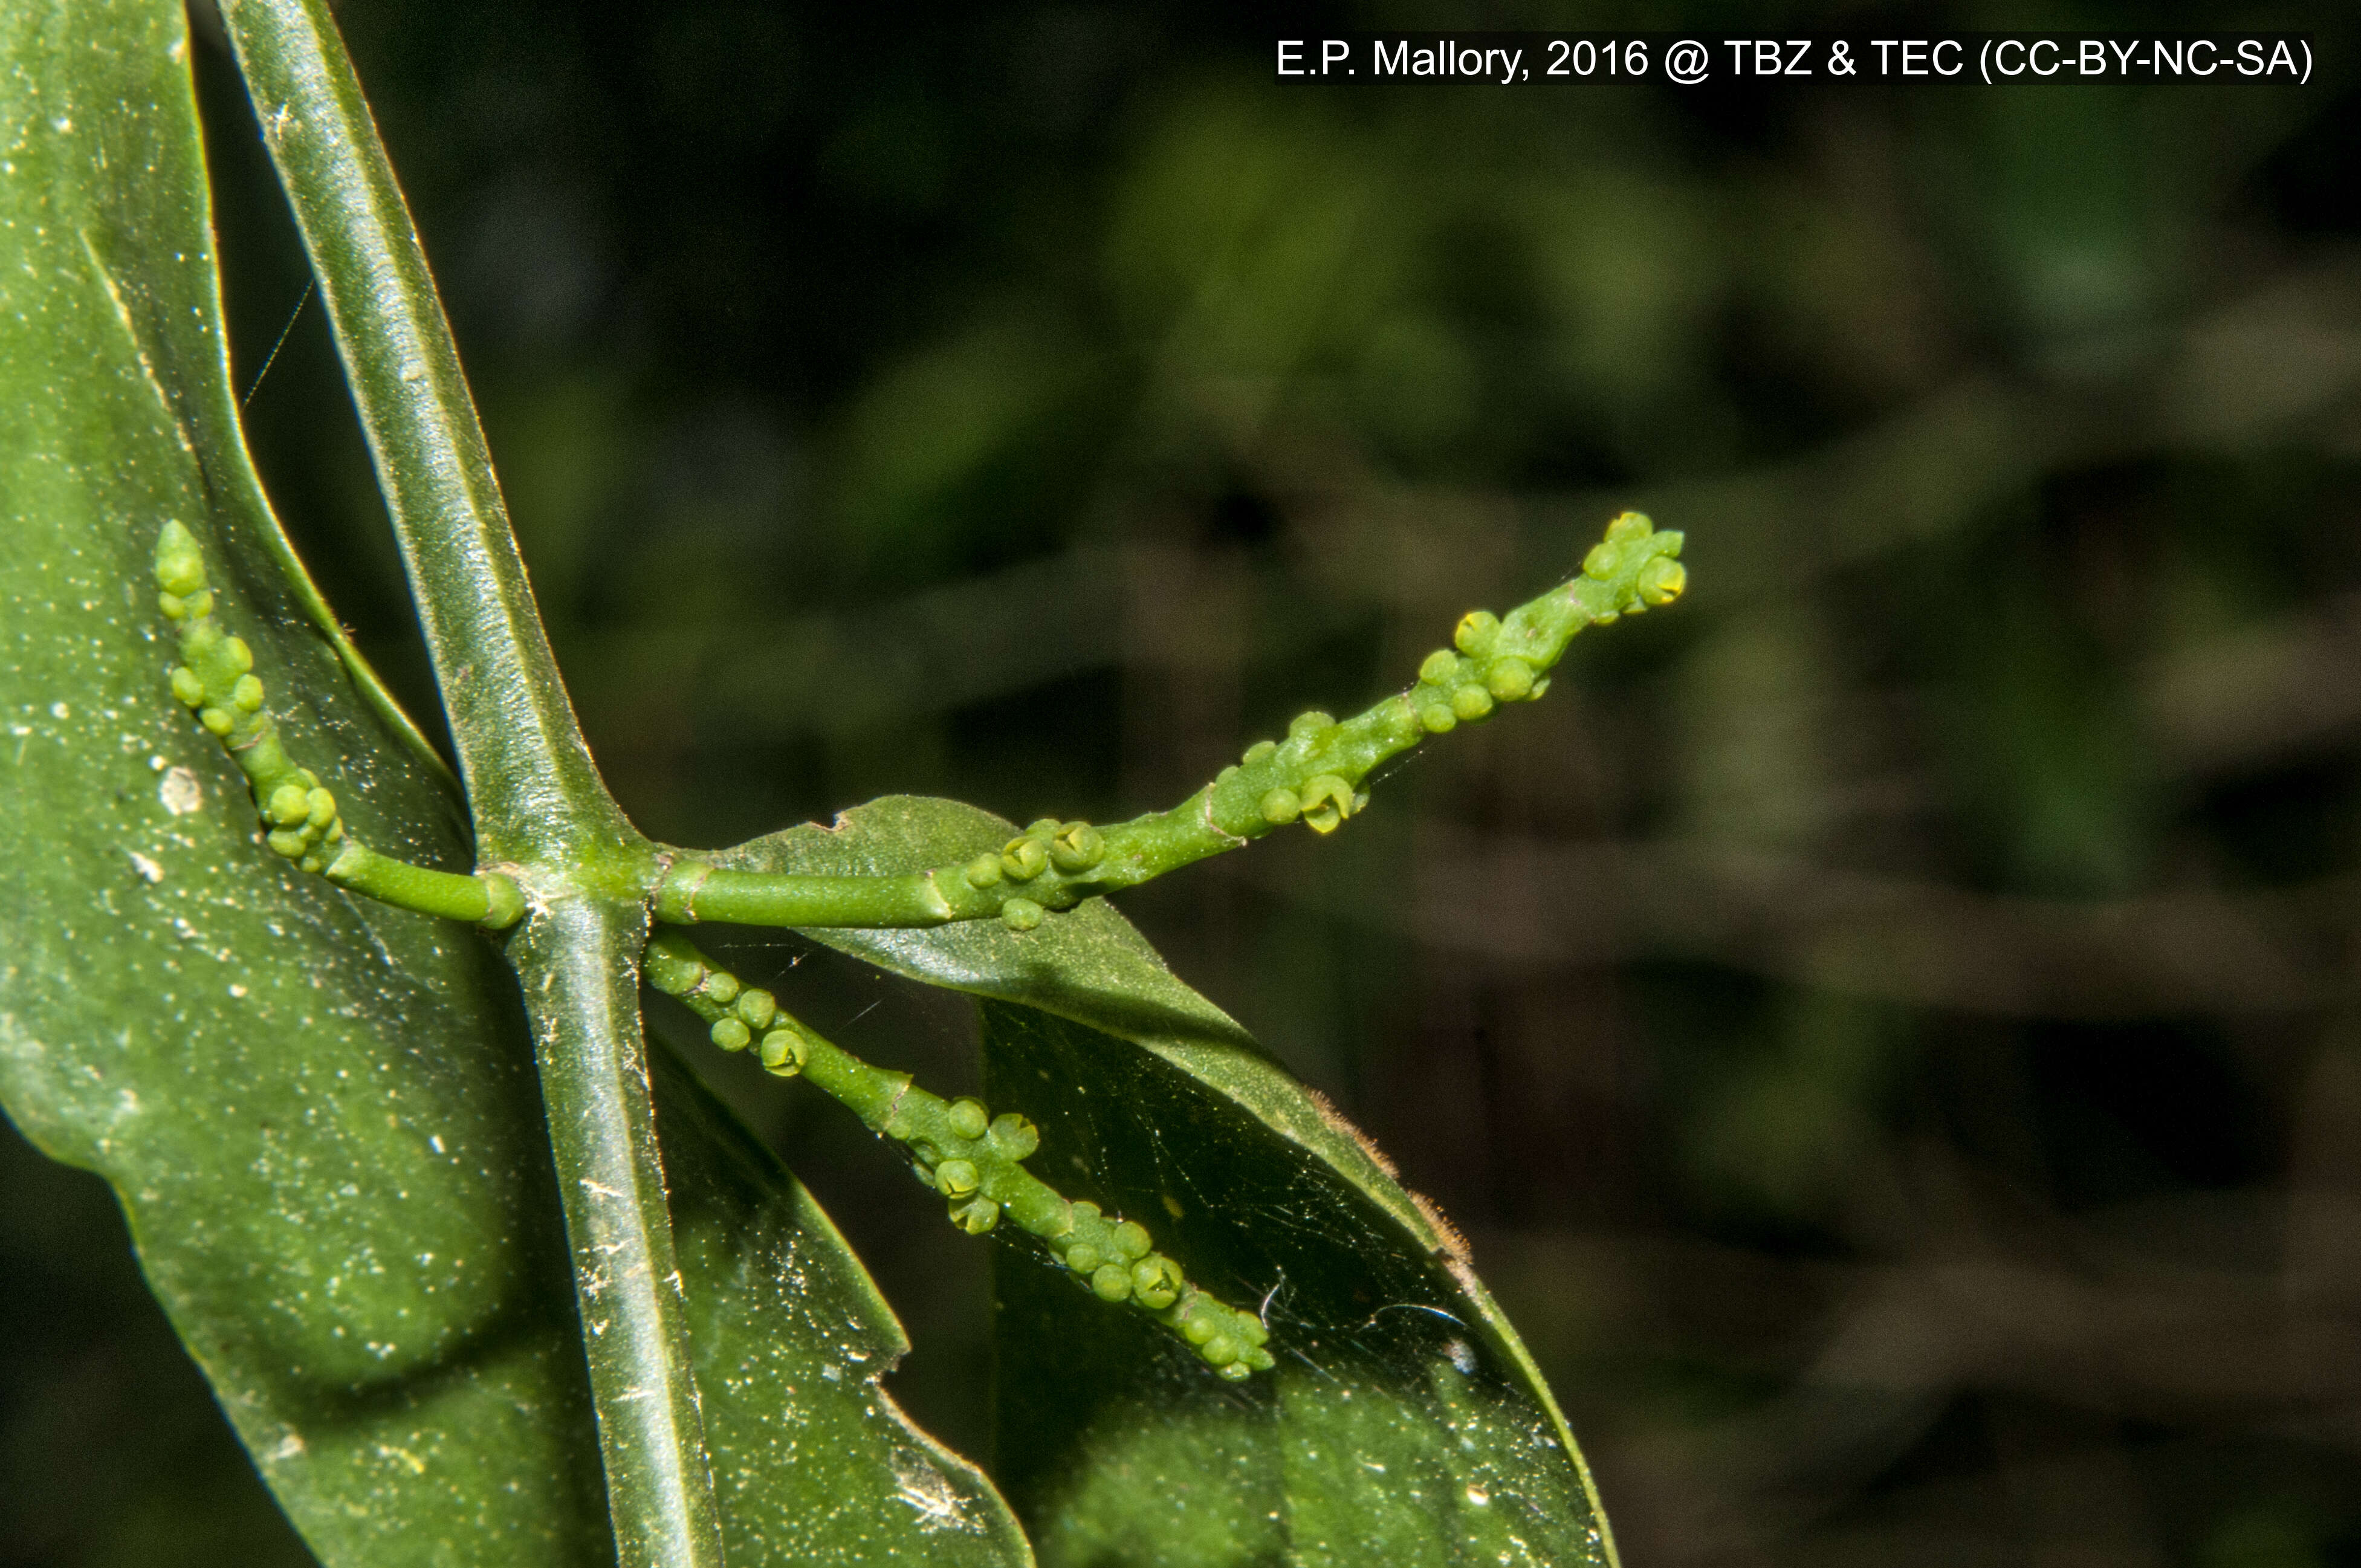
[[542, 813], [1314, 776], [973, 1158], [531, 782], [587, 1031]]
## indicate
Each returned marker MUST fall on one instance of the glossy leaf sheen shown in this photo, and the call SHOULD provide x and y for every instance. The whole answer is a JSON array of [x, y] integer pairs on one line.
[[320, 1114], [1405, 1424]]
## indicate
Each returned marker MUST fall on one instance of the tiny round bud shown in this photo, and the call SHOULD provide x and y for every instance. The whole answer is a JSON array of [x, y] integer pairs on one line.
[[1131, 1240], [246, 693], [1473, 636], [186, 686], [1197, 1328], [1629, 526], [1219, 1351], [239, 654], [1280, 808], [313, 864], [179, 570], [1327, 802], [286, 841], [976, 1216], [982, 872], [1013, 1135], [1606, 558], [757, 1008], [201, 603], [173, 606], [1229, 771], [1155, 1281], [323, 808], [1235, 1371], [1260, 752], [217, 719], [1249, 1329], [1042, 827], [1023, 858], [1471, 702], [732, 1033], [722, 986], [289, 804], [968, 1118], [782, 1052], [1082, 1257], [1438, 719], [955, 1177], [1307, 724], [1508, 678], [1020, 915], [1441, 667], [1110, 1281], [1662, 580], [1076, 848], [1085, 1211]]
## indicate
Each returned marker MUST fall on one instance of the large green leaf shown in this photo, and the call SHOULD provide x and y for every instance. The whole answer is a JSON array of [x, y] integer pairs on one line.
[[320, 1115], [1405, 1424]]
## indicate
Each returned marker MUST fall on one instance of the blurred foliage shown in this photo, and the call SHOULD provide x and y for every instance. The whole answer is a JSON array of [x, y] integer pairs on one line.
[[1889, 1030]]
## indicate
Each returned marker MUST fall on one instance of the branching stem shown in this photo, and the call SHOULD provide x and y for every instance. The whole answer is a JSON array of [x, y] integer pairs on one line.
[[215, 680], [973, 1158]]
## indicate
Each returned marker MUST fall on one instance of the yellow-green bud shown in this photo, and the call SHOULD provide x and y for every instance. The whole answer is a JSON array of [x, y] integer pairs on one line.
[[1076, 848], [289, 804], [1508, 678], [1474, 634], [1022, 858], [1662, 580]]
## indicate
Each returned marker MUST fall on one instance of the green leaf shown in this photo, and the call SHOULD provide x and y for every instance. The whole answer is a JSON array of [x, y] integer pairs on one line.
[[320, 1114], [1406, 1422]]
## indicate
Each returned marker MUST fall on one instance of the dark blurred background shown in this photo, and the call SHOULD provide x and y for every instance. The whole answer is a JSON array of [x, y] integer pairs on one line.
[[1887, 1025]]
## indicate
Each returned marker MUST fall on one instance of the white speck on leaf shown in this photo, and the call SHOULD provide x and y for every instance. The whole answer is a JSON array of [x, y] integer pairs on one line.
[[180, 791]]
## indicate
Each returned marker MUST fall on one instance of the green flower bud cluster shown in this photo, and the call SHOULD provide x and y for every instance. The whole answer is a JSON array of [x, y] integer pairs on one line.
[[1314, 776], [1492, 662], [1066, 849], [972, 1157], [215, 680]]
